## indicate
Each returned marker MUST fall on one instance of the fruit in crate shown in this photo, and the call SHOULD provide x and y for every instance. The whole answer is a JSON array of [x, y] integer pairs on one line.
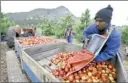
[[36, 40], [93, 72]]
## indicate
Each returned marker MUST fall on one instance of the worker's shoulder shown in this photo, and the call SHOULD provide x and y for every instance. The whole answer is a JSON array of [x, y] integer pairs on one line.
[[10, 30], [116, 32]]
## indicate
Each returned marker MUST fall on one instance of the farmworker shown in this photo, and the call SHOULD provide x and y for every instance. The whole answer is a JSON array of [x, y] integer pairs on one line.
[[68, 34], [26, 33], [30, 31], [102, 25], [12, 32]]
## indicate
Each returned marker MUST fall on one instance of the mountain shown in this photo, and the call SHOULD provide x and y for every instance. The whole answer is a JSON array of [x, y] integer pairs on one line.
[[37, 15]]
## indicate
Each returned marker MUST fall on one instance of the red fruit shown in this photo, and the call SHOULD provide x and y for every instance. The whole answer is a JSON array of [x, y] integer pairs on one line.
[[90, 68], [77, 80], [94, 69], [75, 74], [77, 77], [114, 69], [98, 75], [94, 80], [66, 69], [71, 78], [94, 73], [99, 69], [89, 80], [83, 78], [111, 78], [110, 67], [104, 67], [89, 74], [81, 74], [104, 79], [114, 75], [55, 72], [79, 71], [67, 81], [103, 71], [61, 73], [71, 69], [99, 65], [69, 66], [109, 70]]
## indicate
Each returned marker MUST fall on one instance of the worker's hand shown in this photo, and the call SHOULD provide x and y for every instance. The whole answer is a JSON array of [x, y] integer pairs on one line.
[[85, 44]]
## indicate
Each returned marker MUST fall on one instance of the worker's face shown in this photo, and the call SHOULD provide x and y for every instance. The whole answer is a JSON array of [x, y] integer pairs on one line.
[[101, 25]]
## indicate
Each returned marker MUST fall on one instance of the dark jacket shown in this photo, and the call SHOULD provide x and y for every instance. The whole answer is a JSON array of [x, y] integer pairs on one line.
[[112, 45], [11, 33]]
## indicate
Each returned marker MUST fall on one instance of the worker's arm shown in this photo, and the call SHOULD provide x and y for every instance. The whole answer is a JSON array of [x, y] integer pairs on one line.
[[87, 31], [113, 45]]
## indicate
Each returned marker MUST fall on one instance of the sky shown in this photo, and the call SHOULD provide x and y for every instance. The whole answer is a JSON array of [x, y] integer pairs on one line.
[[120, 13]]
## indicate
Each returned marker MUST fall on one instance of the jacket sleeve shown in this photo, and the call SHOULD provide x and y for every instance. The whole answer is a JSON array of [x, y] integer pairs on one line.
[[113, 45], [88, 31], [10, 36]]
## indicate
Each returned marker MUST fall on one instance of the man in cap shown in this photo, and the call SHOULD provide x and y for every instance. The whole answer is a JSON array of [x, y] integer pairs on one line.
[[11, 33], [102, 24]]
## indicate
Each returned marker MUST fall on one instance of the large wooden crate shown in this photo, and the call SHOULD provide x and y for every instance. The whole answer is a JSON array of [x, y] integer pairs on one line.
[[34, 60], [18, 46]]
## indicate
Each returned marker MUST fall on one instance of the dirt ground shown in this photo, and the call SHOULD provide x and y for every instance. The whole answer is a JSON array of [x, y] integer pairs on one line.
[[4, 48], [4, 75]]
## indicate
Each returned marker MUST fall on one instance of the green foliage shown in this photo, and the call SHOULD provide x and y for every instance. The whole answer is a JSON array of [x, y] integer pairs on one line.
[[47, 27], [5, 23], [125, 35], [64, 23], [79, 36], [50, 28], [85, 22], [85, 18]]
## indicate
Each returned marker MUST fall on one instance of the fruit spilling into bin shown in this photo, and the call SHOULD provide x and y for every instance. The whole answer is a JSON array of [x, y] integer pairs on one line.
[[36, 41], [92, 72]]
